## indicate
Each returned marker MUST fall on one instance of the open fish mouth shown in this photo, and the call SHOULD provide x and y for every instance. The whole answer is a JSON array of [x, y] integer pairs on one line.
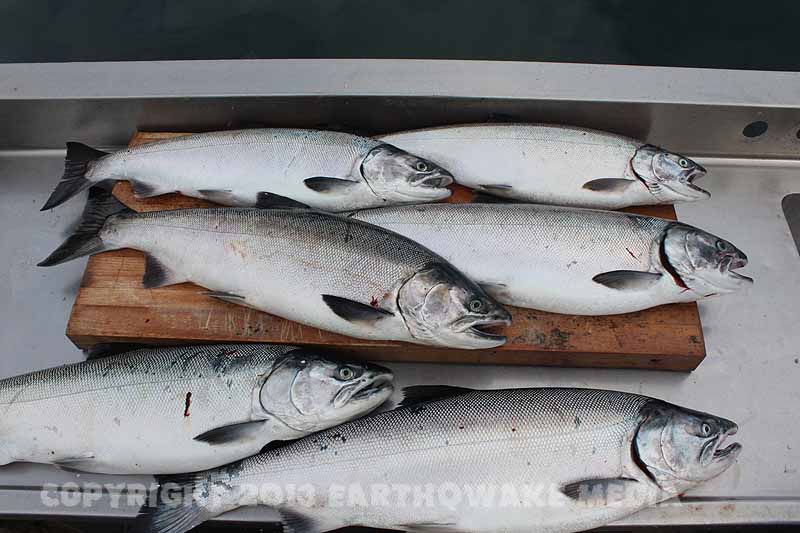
[[733, 449], [729, 264], [440, 180], [692, 189], [478, 329], [363, 390], [377, 385]]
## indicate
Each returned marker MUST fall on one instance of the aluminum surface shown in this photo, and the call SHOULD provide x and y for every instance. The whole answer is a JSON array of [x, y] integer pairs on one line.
[[753, 364], [750, 374]]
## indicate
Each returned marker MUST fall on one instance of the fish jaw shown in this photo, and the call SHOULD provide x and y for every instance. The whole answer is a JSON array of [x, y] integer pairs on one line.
[[373, 390], [469, 333], [686, 190], [432, 188], [717, 458]]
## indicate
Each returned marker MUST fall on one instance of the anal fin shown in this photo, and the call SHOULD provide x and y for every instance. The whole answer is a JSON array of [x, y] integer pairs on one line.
[[228, 297], [220, 196], [294, 522], [234, 433], [268, 200], [157, 274]]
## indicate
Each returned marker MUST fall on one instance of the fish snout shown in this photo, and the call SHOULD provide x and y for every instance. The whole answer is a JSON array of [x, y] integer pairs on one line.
[[436, 180]]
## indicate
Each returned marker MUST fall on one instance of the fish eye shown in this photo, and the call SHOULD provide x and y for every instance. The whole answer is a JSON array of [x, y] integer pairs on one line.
[[421, 166], [723, 246], [346, 373], [705, 429], [475, 305], [683, 163]]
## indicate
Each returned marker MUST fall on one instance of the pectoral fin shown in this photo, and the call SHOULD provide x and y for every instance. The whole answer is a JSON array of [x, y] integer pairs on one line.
[[431, 527], [616, 185], [353, 311], [420, 394], [328, 185], [233, 433], [495, 187], [157, 274], [75, 464], [627, 280], [598, 489]]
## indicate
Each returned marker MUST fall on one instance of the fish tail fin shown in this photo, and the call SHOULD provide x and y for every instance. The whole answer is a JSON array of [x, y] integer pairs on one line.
[[86, 239], [74, 180], [179, 505]]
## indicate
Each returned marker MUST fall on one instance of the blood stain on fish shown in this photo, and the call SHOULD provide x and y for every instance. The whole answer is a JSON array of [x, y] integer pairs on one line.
[[631, 253], [188, 404]]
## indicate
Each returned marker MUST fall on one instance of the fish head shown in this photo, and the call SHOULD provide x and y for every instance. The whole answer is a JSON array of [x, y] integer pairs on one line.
[[309, 392], [396, 176], [680, 447], [703, 262], [441, 306], [669, 176]]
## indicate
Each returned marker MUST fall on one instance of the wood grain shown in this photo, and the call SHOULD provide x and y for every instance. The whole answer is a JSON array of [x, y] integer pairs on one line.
[[112, 306]]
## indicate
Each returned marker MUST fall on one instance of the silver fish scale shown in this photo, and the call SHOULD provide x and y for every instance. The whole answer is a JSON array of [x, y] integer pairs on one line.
[[503, 425], [566, 233], [284, 139], [273, 153], [202, 365], [360, 260], [525, 132]]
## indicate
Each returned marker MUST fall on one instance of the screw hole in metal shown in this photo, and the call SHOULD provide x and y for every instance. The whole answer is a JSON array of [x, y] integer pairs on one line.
[[755, 129]]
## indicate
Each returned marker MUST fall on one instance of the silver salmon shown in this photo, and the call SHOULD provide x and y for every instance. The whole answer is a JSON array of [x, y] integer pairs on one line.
[[571, 260], [169, 410], [319, 269], [328, 170], [549, 459], [553, 164]]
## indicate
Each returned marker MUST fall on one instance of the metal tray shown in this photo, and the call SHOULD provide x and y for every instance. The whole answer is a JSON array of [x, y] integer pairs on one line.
[[753, 364]]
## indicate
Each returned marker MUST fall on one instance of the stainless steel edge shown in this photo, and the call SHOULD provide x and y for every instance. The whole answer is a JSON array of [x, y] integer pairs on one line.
[[700, 111], [391, 77]]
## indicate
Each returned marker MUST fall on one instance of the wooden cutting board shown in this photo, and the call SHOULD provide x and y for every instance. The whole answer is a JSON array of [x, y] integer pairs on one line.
[[112, 306]]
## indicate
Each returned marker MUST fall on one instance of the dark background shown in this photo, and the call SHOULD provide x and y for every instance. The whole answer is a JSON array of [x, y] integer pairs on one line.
[[701, 33]]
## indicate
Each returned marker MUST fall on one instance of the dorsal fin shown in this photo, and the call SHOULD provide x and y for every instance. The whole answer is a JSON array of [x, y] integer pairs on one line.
[[430, 393], [112, 348]]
